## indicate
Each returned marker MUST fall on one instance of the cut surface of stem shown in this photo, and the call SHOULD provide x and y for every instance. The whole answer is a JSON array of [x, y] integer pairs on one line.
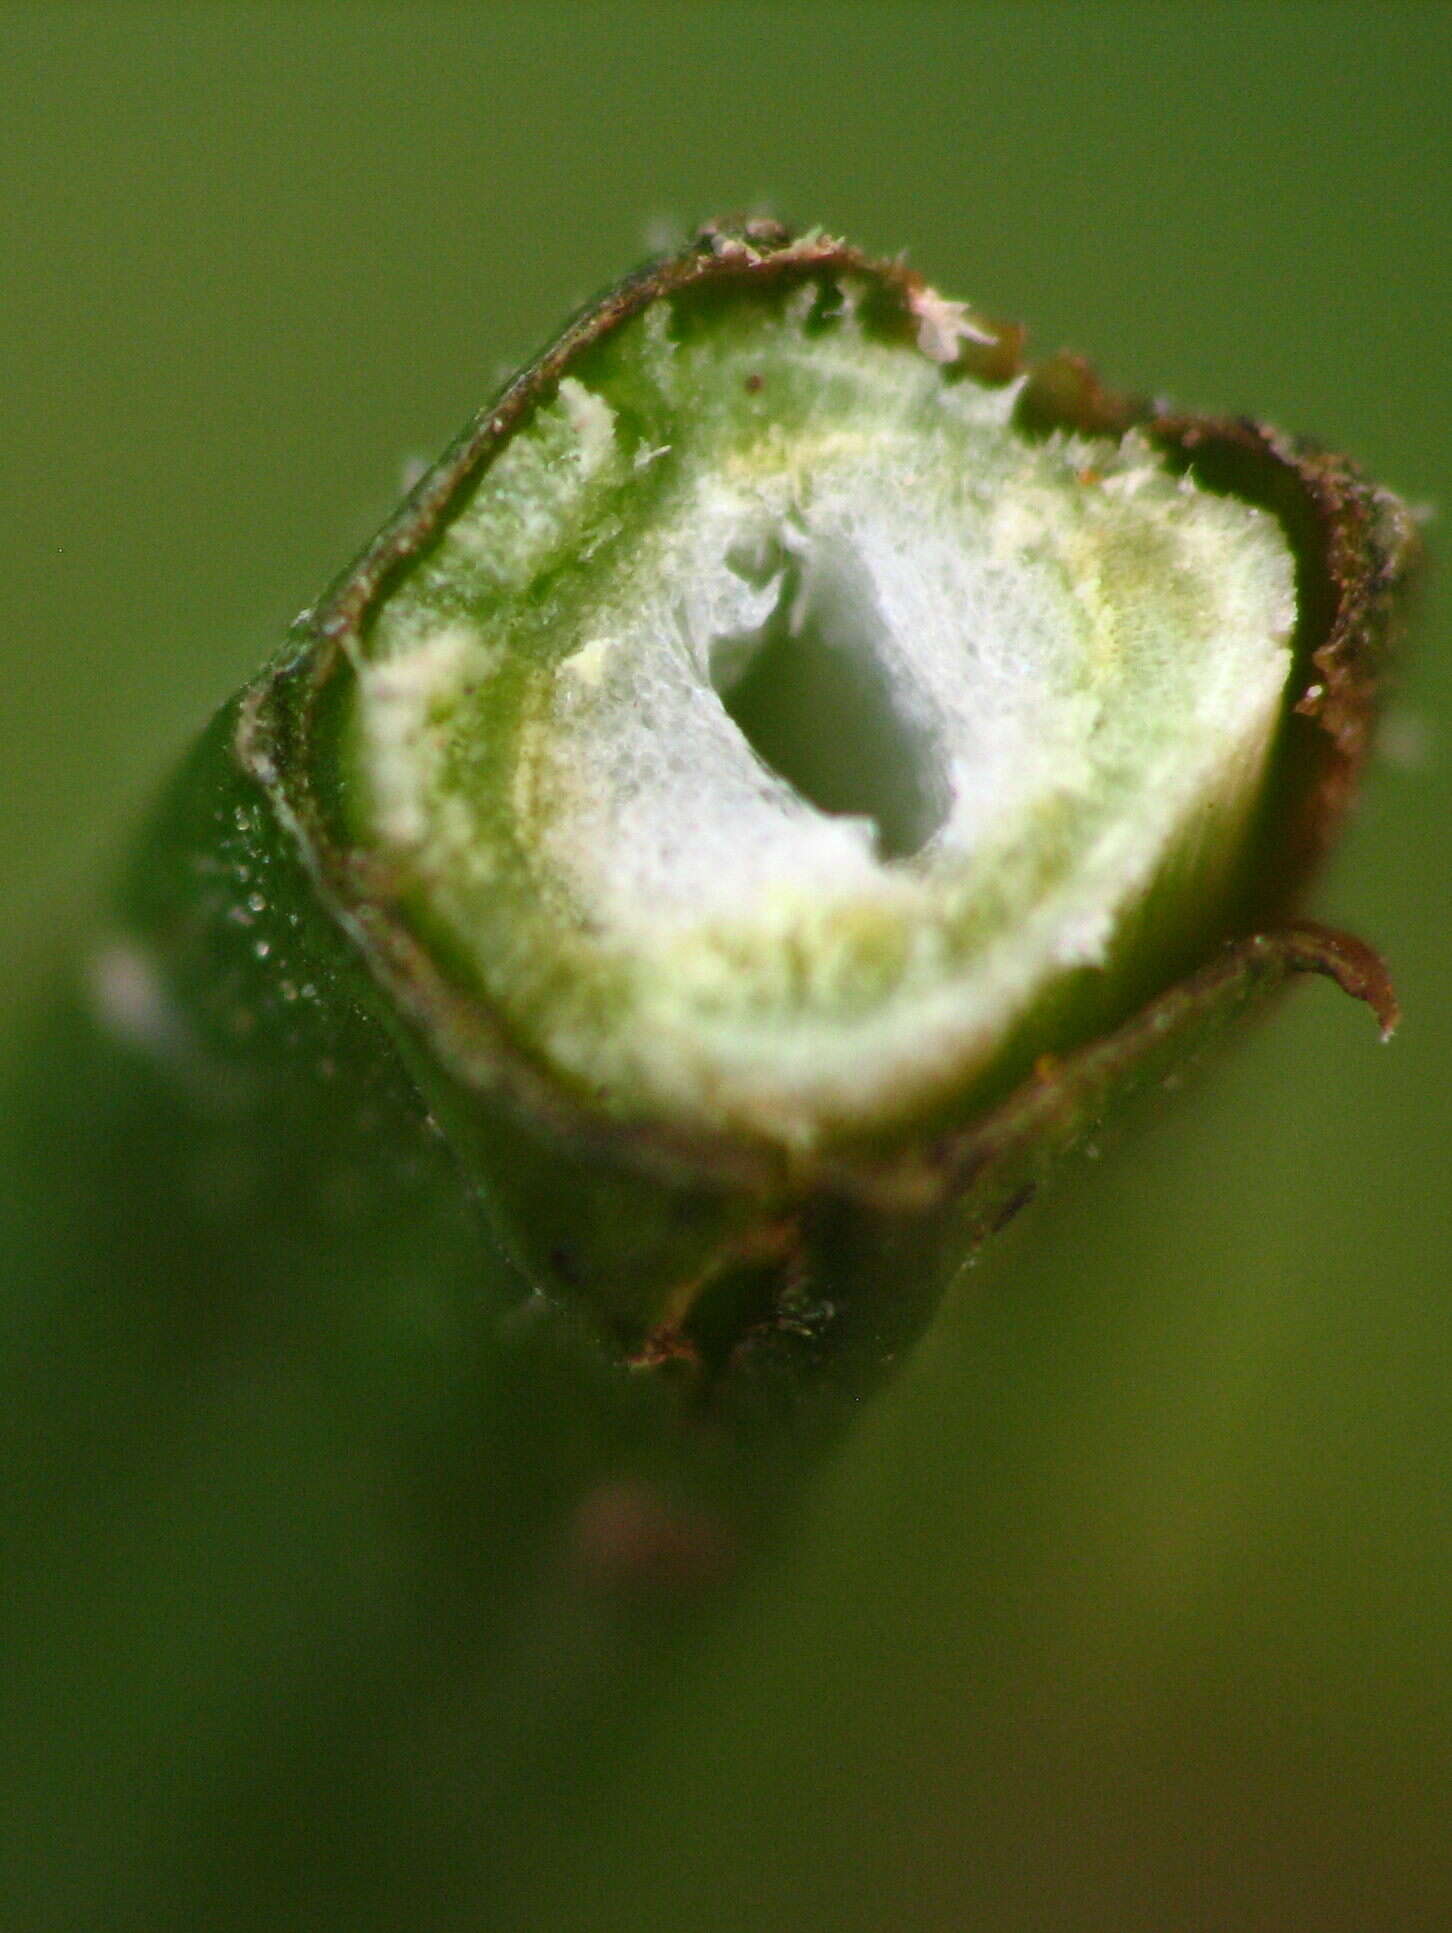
[[777, 731]]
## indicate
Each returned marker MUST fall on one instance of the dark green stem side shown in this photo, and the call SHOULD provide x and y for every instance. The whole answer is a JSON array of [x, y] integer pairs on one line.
[[327, 1540]]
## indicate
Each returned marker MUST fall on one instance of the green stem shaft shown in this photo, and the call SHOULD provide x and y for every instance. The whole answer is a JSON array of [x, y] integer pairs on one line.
[[337, 1551]]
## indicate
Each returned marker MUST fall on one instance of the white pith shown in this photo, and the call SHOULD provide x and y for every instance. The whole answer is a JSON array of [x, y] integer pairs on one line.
[[1086, 657]]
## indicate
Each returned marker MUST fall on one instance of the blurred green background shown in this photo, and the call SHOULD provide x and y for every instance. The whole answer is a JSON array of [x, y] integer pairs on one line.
[[1131, 1604]]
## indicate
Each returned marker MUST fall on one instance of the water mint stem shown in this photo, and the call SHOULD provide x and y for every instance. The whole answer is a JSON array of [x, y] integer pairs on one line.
[[789, 774]]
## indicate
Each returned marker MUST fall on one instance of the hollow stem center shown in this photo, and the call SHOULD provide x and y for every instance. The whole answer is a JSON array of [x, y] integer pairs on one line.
[[810, 692]]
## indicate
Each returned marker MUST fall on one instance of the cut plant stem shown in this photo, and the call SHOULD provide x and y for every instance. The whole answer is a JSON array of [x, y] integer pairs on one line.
[[781, 780]]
